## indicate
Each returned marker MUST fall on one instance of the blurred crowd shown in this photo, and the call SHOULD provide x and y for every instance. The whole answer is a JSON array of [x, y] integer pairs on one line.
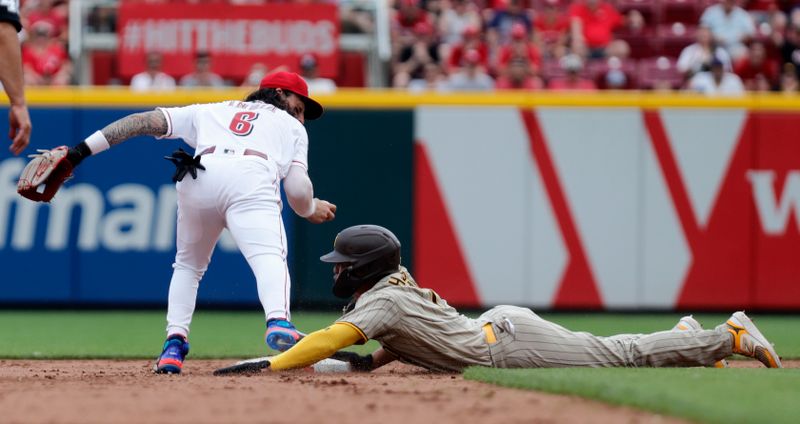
[[152, 78], [45, 60], [715, 47], [709, 46]]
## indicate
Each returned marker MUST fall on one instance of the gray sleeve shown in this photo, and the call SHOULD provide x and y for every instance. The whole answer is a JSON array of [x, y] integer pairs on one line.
[[373, 315]]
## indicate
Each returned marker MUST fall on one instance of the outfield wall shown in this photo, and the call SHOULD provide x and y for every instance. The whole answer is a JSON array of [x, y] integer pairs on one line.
[[618, 201]]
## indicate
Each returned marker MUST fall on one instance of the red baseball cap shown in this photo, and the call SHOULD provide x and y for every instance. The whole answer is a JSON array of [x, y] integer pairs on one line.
[[294, 83]]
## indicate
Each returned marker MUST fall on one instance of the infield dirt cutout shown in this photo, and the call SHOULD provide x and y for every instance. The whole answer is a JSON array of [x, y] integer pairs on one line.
[[99, 391]]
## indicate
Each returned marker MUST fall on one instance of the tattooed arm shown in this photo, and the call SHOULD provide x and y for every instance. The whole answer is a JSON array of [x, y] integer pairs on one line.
[[146, 123]]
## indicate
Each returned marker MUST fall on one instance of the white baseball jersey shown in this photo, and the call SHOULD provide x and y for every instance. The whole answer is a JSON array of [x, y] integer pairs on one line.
[[234, 126], [254, 146]]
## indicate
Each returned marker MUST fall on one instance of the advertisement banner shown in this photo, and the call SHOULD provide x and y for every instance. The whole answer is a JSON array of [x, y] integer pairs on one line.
[[236, 37], [604, 208], [108, 237]]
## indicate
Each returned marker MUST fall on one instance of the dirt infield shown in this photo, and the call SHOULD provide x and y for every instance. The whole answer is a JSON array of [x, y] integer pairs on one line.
[[127, 392]]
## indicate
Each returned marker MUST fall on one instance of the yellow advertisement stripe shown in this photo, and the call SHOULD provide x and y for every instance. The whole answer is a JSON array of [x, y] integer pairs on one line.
[[392, 99]]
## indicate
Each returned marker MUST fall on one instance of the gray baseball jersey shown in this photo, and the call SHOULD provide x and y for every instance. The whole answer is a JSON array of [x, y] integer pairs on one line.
[[420, 328]]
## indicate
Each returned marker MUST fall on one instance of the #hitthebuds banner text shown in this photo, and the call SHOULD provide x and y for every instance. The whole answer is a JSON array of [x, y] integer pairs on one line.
[[236, 37]]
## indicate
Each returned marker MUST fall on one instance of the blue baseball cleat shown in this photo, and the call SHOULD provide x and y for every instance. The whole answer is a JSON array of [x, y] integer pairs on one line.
[[281, 334], [174, 352]]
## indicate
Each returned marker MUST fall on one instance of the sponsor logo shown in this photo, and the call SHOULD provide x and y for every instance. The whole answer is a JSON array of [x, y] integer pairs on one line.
[[775, 209], [127, 217]]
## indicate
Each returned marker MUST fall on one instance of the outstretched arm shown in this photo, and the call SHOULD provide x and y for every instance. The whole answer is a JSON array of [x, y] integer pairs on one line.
[[47, 171], [145, 123], [317, 346]]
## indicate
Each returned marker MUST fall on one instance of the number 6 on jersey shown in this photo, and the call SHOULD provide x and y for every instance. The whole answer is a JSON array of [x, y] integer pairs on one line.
[[241, 123]]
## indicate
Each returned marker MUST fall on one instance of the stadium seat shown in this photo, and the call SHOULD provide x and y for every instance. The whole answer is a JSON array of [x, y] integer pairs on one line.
[[674, 37], [659, 70], [649, 9], [597, 70], [643, 44], [539, 5], [552, 69], [351, 70], [685, 11]]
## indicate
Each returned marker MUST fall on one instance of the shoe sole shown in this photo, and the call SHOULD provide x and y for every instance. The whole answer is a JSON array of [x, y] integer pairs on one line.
[[168, 369], [168, 366], [764, 353], [281, 341]]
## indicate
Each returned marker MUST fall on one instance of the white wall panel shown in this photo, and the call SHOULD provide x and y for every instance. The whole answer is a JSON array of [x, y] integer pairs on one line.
[[666, 255], [482, 161], [596, 153], [703, 142]]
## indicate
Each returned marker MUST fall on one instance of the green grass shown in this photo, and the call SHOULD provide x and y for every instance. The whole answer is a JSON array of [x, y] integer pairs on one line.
[[139, 334], [705, 395], [116, 335]]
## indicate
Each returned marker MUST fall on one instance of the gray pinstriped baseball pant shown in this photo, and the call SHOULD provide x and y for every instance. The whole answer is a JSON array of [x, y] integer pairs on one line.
[[524, 340]]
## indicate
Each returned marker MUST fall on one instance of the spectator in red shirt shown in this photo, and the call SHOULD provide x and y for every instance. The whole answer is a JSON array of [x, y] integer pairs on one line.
[[519, 47], [593, 23], [472, 41], [760, 10], [573, 65], [47, 10], [552, 28], [471, 77], [409, 14], [756, 67], [499, 27], [519, 76], [412, 59], [44, 58]]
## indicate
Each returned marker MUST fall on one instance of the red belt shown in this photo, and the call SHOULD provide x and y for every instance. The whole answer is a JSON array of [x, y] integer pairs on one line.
[[247, 152]]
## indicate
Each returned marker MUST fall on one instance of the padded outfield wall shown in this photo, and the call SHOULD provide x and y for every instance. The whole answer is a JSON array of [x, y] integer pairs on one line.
[[613, 201]]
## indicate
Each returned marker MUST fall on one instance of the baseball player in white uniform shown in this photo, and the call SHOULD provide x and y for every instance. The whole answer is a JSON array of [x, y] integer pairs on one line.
[[244, 149], [416, 326]]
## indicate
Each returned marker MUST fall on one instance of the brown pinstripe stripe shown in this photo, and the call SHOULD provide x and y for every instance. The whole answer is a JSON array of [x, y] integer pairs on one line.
[[406, 322]]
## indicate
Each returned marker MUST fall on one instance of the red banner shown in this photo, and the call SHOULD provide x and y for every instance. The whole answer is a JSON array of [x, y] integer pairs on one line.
[[236, 37], [674, 208]]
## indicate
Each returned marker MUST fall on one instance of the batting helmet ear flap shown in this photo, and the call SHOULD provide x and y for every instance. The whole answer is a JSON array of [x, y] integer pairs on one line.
[[345, 285]]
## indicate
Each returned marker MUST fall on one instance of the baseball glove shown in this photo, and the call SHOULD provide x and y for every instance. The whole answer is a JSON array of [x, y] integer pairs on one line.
[[45, 174]]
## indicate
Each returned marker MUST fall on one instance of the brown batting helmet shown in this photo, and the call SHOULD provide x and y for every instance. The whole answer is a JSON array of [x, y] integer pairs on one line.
[[372, 253]]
